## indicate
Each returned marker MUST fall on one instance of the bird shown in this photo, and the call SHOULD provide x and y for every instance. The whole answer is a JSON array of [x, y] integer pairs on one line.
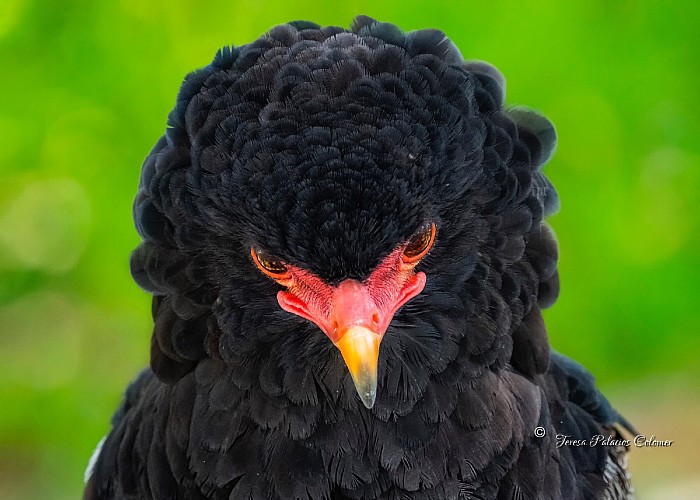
[[343, 232]]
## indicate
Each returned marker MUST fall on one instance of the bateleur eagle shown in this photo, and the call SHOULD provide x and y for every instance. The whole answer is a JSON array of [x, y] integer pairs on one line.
[[343, 235]]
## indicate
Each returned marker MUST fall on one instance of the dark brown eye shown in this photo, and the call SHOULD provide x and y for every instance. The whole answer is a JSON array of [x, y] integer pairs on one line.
[[269, 265], [419, 244]]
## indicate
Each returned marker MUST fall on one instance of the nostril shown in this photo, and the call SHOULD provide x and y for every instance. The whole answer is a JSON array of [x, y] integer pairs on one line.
[[335, 325], [375, 318]]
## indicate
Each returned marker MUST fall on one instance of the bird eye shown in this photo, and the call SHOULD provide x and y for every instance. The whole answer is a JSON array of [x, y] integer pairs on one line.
[[269, 265], [419, 244]]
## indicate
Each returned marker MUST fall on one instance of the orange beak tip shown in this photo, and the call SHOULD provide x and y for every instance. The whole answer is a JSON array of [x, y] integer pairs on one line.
[[360, 349]]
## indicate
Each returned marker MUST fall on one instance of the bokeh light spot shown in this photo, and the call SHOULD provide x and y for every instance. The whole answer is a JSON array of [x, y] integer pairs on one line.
[[47, 225], [10, 14], [665, 191]]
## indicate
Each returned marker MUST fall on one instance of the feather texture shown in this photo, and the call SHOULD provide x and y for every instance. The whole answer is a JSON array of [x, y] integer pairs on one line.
[[329, 147]]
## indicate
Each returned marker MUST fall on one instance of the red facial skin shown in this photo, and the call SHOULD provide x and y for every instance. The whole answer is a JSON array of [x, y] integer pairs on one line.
[[354, 315], [371, 304]]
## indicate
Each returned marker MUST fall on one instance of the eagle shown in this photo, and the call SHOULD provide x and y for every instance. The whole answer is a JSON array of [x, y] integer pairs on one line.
[[343, 234]]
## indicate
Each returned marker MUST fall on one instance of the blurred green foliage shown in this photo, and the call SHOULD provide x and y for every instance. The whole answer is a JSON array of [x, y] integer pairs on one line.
[[85, 90]]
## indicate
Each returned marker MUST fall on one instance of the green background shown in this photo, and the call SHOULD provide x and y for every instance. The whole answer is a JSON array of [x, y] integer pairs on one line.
[[85, 89]]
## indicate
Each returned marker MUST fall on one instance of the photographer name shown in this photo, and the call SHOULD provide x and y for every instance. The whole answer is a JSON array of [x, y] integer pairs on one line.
[[640, 441]]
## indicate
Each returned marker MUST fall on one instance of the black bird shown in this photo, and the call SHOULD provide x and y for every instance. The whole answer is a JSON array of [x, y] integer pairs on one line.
[[343, 235]]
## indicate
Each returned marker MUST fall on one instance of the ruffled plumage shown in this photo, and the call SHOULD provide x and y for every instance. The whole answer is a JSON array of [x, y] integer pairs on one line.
[[330, 146]]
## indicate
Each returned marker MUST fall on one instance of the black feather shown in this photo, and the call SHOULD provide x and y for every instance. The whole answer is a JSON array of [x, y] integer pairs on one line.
[[329, 148]]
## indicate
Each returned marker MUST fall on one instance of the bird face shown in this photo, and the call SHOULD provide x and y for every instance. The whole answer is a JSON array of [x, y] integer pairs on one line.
[[353, 314]]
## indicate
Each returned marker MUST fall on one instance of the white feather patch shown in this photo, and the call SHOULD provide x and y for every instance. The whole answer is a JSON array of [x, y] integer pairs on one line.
[[93, 460]]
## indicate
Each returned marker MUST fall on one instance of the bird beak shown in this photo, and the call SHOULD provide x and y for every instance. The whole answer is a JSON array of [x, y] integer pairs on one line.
[[357, 327], [360, 349]]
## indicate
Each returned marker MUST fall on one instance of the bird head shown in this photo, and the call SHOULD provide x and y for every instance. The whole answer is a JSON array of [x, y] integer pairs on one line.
[[330, 202]]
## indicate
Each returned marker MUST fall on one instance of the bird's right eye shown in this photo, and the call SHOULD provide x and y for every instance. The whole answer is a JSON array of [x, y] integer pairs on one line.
[[273, 267]]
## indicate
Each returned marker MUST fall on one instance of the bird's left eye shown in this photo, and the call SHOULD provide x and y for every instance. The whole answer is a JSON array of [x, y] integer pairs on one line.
[[419, 244], [273, 267]]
